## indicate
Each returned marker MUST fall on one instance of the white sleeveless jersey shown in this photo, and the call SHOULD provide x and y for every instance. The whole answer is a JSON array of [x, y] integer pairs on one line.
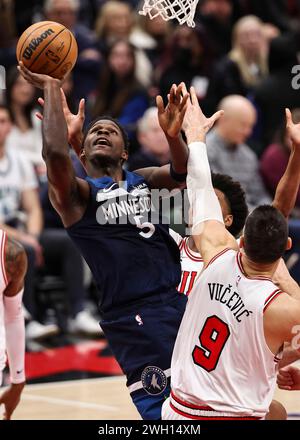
[[191, 264], [221, 359], [3, 284]]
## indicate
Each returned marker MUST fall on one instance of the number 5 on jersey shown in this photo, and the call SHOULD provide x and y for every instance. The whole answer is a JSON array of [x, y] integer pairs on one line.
[[213, 338]]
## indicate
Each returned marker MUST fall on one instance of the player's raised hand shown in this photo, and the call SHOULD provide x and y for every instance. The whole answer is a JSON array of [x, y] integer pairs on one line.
[[10, 398], [171, 117], [288, 378], [38, 80], [293, 130], [74, 121], [196, 124]]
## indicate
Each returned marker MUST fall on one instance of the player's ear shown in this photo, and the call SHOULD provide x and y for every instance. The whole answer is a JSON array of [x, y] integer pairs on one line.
[[289, 244], [228, 220], [124, 156], [82, 155]]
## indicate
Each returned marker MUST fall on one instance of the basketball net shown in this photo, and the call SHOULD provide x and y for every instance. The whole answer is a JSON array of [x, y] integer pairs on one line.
[[182, 10]]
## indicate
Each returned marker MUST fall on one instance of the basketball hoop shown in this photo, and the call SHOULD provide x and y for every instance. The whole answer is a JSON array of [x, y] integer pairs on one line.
[[182, 10]]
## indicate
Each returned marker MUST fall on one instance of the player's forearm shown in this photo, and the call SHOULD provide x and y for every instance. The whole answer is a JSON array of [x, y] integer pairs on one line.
[[179, 154], [287, 188], [55, 131]]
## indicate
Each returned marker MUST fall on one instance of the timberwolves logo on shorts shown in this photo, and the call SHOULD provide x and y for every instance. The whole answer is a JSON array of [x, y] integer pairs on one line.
[[154, 380]]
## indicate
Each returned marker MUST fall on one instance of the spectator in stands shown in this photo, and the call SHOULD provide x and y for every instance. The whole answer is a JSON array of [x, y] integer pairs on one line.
[[228, 152], [275, 159], [154, 148], [26, 134], [21, 217], [89, 58], [115, 21], [276, 91], [187, 58], [245, 65], [217, 17], [119, 94]]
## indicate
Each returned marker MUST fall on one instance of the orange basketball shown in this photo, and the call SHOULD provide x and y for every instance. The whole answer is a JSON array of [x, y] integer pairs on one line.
[[48, 47]]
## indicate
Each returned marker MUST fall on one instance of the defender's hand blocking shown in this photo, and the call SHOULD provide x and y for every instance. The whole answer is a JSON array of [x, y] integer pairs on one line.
[[195, 123], [171, 117], [38, 80]]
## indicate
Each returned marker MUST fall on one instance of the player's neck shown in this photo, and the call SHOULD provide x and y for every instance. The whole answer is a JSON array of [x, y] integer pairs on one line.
[[253, 269], [115, 172]]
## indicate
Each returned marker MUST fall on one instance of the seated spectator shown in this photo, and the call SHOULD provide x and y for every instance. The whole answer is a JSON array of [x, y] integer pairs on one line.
[[228, 152], [154, 147], [217, 17], [26, 134], [21, 217], [245, 65], [88, 63], [275, 159], [115, 21], [119, 94], [187, 58], [276, 91]]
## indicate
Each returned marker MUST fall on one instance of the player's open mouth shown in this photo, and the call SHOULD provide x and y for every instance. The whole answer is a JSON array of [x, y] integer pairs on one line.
[[101, 142]]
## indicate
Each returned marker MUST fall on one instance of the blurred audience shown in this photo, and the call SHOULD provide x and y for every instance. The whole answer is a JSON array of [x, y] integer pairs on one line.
[[26, 134], [89, 58], [119, 94], [275, 159], [228, 152], [154, 148], [187, 58], [245, 65]]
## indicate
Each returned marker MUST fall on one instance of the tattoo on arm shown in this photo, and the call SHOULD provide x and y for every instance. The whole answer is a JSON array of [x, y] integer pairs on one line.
[[15, 266]]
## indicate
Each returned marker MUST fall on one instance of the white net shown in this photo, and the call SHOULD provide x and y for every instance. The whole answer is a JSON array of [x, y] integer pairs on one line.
[[182, 10]]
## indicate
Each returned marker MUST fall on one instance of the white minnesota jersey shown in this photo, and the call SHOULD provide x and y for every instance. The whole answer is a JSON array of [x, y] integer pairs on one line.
[[221, 364], [3, 284]]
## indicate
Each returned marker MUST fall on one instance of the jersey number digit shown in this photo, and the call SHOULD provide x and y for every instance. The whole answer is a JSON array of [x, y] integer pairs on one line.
[[148, 225], [213, 338]]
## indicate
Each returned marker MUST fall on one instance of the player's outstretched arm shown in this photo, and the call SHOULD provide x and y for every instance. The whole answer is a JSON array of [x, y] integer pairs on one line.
[[67, 193], [209, 231], [15, 269], [287, 188], [170, 119]]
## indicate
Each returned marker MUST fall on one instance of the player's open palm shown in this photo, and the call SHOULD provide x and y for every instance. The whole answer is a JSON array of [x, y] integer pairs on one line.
[[293, 130], [195, 122], [171, 117], [288, 378], [38, 80], [10, 398]]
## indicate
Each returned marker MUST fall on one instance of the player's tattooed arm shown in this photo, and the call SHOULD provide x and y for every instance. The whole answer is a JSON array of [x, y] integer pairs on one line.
[[15, 266], [287, 188]]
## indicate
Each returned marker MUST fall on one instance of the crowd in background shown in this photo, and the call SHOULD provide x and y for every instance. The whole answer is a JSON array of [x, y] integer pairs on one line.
[[239, 56]]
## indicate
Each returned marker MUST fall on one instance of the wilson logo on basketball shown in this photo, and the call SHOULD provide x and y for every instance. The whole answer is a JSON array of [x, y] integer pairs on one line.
[[35, 42]]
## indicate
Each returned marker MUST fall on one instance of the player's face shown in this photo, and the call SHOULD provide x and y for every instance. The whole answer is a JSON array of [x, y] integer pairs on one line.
[[227, 216], [105, 142], [5, 125]]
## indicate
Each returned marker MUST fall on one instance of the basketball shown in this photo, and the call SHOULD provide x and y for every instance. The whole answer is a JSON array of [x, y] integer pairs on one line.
[[47, 47]]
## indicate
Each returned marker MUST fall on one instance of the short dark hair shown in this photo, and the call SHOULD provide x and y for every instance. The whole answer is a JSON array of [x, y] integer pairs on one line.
[[265, 235], [236, 199], [115, 121]]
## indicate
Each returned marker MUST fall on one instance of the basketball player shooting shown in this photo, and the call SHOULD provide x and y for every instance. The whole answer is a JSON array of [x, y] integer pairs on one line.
[[236, 320], [107, 216], [12, 327]]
